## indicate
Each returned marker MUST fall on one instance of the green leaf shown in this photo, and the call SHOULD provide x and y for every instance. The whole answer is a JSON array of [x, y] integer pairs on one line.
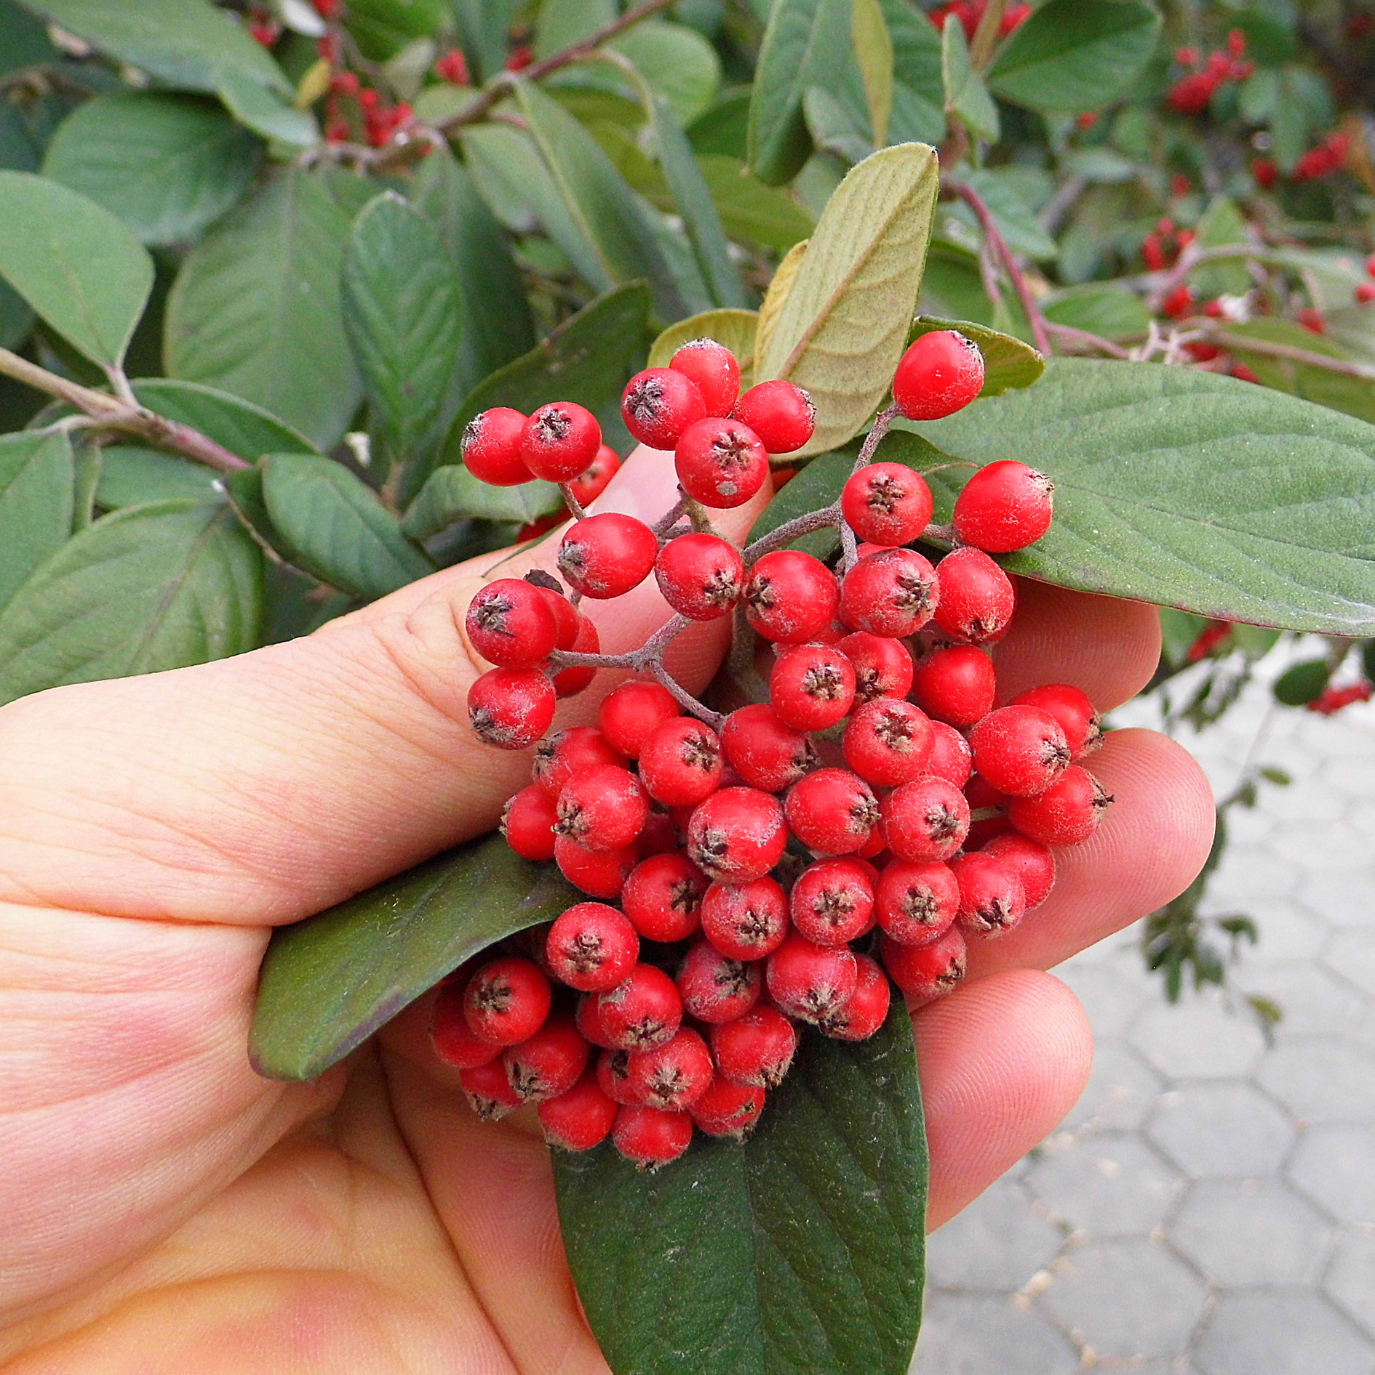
[[1075, 55], [817, 485], [800, 1253], [1107, 311], [167, 165], [37, 496], [336, 528], [151, 587], [874, 53], [255, 310], [843, 324], [24, 40], [1303, 683], [835, 127], [749, 210], [76, 264], [266, 112], [244, 491], [1276, 776], [965, 92], [131, 475], [677, 62], [1007, 361], [1014, 219], [733, 328], [402, 317], [242, 427], [483, 26], [919, 87], [562, 23], [1222, 225], [1354, 395], [452, 494], [381, 28], [1178, 631], [723, 130], [329, 982]]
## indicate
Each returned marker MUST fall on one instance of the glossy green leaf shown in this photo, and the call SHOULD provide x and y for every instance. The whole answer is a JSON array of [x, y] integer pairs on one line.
[[919, 88], [1353, 395], [723, 130], [1074, 55], [1298, 686], [874, 53], [242, 427], [800, 1253], [677, 62], [244, 491], [733, 328], [1178, 631], [382, 28], [749, 210], [329, 982], [1108, 311], [452, 494], [336, 528], [255, 310], [817, 485], [1007, 361], [167, 165], [74, 262], [131, 475], [37, 493], [266, 112], [834, 127], [965, 93], [483, 26], [150, 587]]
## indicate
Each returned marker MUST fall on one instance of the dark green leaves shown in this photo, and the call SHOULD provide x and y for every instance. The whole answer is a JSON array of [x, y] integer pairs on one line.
[[799, 1254], [243, 428], [452, 494], [330, 982], [36, 503], [965, 93], [1303, 683]]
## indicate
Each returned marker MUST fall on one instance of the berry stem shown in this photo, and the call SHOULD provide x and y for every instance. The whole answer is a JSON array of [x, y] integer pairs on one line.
[[684, 698], [664, 525], [875, 437], [942, 534], [791, 530], [575, 507]]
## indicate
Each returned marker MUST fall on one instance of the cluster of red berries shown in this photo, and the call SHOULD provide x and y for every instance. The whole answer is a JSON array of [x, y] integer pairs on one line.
[[757, 872], [1163, 245], [1334, 699], [970, 12], [1193, 92]]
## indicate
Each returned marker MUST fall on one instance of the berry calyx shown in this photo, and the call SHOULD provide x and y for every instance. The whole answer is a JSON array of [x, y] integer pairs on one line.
[[925, 820], [488, 1091], [659, 404], [716, 988], [1004, 507], [663, 897], [866, 1009], [832, 812], [812, 686], [642, 1011], [1066, 813], [992, 898], [1082, 725], [832, 903], [737, 834], [892, 593], [883, 666], [507, 1000], [720, 462], [809, 982], [680, 762], [602, 809], [930, 971], [606, 555], [511, 624], [977, 599], [671, 1076], [917, 902], [560, 441], [548, 1063], [712, 367], [941, 373], [886, 503], [491, 447], [745, 921], [756, 1048], [888, 742], [781, 414], [700, 575]]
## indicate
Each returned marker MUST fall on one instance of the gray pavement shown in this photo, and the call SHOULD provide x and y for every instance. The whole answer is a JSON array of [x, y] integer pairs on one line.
[[1209, 1205]]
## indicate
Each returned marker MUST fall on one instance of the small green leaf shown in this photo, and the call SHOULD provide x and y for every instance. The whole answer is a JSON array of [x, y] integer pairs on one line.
[[562, 23], [336, 528], [1008, 363], [452, 494], [1014, 219], [874, 53], [1178, 631], [919, 87], [1107, 311], [75, 263], [131, 475], [680, 65], [749, 210], [1298, 686], [733, 328], [240, 426], [818, 484], [329, 982], [965, 92], [1222, 226], [37, 494], [834, 126], [1276, 776], [800, 1253], [266, 112]]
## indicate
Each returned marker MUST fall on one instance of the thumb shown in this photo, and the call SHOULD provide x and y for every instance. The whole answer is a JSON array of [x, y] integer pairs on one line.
[[262, 788]]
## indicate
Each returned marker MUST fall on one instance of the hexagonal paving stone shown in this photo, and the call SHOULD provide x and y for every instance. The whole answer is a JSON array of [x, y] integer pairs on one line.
[[968, 1334], [1341, 897], [1119, 1093], [1111, 996], [1108, 1185], [1226, 1130], [1350, 1281], [1126, 1298], [1248, 1232], [997, 1243], [1321, 1080], [1198, 1038], [1332, 841], [1333, 1166], [1281, 1334], [1288, 930], [1315, 1001], [1255, 871], [1352, 955]]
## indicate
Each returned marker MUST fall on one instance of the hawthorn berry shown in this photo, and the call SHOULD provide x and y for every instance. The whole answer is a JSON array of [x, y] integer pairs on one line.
[[700, 575], [596, 477], [659, 836], [651, 1137], [673, 1075], [613, 1078], [602, 809], [511, 707], [832, 903], [916, 902], [659, 404], [893, 593], [1066, 813], [548, 1063], [720, 462], [781, 414], [1021, 751], [737, 834], [941, 373], [491, 447], [811, 982], [564, 612], [1004, 507], [628, 716], [642, 1011], [568, 682], [527, 822], [887, 742], [716, 988], [791, 597], [926, 971], [745, 921], [488, 1090], [1082, 725], [955, 685], [454, 1041], [579, 1118], [886, 503], [510, 623], [755, 1048], [680, 762], [977, 599], [507, 1000], [832, 811], [560, 441], [663, 897], [812, 686], [728, 1109], [866, 1009], [606, 555], [992, 898], [1031, 861], [591, 947], [950, 757], [599, 873], [883, 665], [767, 753], [926, 819], [563, 756], [713, 368]]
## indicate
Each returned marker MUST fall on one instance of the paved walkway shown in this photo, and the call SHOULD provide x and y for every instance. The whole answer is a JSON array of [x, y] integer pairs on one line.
[[1209, 1205]]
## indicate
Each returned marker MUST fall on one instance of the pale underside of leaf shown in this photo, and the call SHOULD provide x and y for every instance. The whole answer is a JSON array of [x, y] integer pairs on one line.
[[775, 298]]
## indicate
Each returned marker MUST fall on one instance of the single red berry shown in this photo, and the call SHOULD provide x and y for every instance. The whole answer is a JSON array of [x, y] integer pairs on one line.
[[811, 982], [926, 819], [1031, 861], [716, 988], [977, 600], [606, 555], [663, 897], [791, 597], [713, 368], [673, 1075], [720, 462], [981, 796], [1370, 266], [568, 682], [992, 899], [1066, 813], [924, 972], [629, 715], [560, 441], [680, 762], [886, 503], [491, 447], [1082, 725], [745, 921], [866, 1009], [950, 757], [1004, 507], [510, 623], [564, 612], [887, 742], [756, 1048], [941, 373], [642, 1011], [728, 1109], [589, 1023], [737, 834], [453, 68], [600, 874], [507, 1000], [613, 1077], [812, 686], [602, 809], [488, 1090], [548, 1063], [1365, 293], [563, 756], [454, 1041], [892, 593], [700, 575], [650, 1137], [527, 822], [832, 903], [659, 836], [580, 1118], [883, 665], [781, 414], [766, 753], [916, 903], [658, 404], [832, 811], [594, 479], [511, 707], [1021, 751], [955, 685], [591, 947]]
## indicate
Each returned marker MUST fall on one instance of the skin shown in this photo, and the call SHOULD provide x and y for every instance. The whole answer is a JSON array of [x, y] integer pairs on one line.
[[165, 1209]]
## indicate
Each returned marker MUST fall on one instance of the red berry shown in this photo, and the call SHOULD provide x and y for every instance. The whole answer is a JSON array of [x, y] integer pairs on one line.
[[527, 822], [488, 1090], [605, 556], [511, 707], [548, 1063], [713, 368], [1021, 751], [917, 902], [580, 1118], [832, 811], [600, 874], [1370, 266], [1365, 293], [491, 447], [659, 837], [701, 576], [883, 665], [926, 971], [888, 742], [593, 480], [1066, 813], [453, 68], [651, 1137], [1082, 725], [1004, 507], [568, 682], [658, 404], [564, 612], [720, 462], [811, 982], [613, 1077], [716, 988], [507, 1000], [812, 686], [832, 903], [510, 623], [892, 593], [1031, 861], [781, 414], [728, 1109], [992, 898], [926, 819], [454, 1041], [977, 600], [642, 1011], [673, 1075], [591, 947], [941, 373], [680, 762], [630, 714], [791, 597], [955, 685], [982, 795], [737, 834], [602, 809], [950, 757], [560, 441], [745, 921], [886, 503], [756, 1048], [867, 1007], [663, 897], [563, 756], [766, 753]]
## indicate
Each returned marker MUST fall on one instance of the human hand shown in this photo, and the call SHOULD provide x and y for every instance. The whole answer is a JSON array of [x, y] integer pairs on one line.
[[166, 1209]]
